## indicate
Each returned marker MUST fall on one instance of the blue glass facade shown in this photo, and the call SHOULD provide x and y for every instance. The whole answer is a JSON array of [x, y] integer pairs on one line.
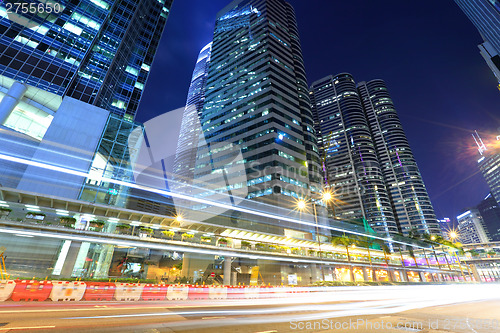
[[97, 51]]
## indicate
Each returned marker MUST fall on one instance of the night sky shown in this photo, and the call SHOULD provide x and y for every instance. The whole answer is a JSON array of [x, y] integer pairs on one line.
[[426, 51]]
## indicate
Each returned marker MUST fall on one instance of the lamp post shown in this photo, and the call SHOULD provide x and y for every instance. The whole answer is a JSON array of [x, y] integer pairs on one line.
[[301, 205], [453, 236]]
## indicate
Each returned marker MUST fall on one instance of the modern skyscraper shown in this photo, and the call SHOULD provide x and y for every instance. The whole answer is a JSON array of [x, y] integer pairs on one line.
[[367, 156], [70, 84], [471, 227], [257, 98], [485, 15], [411, 204], [489, 163], [185, 158], [96, 51], [490, 211], [348, 153]]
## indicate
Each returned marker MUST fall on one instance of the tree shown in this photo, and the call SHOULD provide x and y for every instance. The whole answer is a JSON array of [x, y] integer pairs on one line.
[[346, 242]]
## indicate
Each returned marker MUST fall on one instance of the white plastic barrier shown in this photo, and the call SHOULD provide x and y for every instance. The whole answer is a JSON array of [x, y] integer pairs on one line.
[[217, 292], [6, 289], [252, 292], [128, 291], [175, 292], [67, 290]]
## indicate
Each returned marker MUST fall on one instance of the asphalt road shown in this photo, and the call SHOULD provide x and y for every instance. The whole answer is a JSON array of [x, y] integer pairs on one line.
[[433, 309]]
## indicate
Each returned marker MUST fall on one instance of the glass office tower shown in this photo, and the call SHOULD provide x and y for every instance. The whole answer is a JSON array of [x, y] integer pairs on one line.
[[97, 51], [187, 145], [257, 98], [352, 169], [409, 199], [485, 15]]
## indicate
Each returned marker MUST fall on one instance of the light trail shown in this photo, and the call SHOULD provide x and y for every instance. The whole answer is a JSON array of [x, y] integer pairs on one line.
[[189, 198]]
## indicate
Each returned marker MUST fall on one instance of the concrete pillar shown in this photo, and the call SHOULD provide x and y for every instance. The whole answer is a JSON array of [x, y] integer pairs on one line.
[[104, 261], [366, 275], [227, 271], [9, 101], [475, 273], [403, 275], [422, 276], [314, 273], [70, 261]]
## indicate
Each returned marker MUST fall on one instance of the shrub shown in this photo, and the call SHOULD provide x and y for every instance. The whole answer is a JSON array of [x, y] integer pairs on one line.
[[222, 241], [146, 230], [5, 209], [123, 226], [97, 223], [206, 239], [245, 244], [168, 233], [187, 235], [67, 220]]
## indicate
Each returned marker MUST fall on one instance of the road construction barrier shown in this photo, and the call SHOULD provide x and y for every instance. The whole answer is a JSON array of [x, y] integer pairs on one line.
[[31, 290], [236, 292], [216, 292], [154, 292], [177, 292], [252, 292], [6, 289], [128, 291], [198, 292], [99, 291], [67, 291]]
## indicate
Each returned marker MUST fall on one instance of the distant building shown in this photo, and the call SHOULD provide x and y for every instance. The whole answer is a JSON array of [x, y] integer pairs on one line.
[[490, 211], [489, 163], [445, 225], [471, 228], [485, 15]]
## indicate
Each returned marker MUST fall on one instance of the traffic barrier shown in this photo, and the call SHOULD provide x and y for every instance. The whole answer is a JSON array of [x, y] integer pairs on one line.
[[198, 292], [30, 290], [99, 291], [67, 291], [154, 292], [236, 292], [252, 292], [217, 292], [266, 292], [128, 291], [6, 289], [177, 291]]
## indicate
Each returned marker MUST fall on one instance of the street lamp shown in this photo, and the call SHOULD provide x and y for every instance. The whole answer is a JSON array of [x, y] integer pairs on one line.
[[453, 236]]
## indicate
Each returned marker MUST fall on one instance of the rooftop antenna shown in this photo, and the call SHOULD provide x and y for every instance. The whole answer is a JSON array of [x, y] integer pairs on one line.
[[479, 142]]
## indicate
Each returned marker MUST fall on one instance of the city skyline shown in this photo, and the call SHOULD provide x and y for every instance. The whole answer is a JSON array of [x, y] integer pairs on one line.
[[444, 153]]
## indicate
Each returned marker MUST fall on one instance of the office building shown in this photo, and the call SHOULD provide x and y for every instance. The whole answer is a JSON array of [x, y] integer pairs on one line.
[[367, 157], [187, 145], [471, 228], [96, 51], [411, 204], [445, 225], [489, 162], [348, 154], [70, 85], [256, 98], [485, 15], [490, 212]]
